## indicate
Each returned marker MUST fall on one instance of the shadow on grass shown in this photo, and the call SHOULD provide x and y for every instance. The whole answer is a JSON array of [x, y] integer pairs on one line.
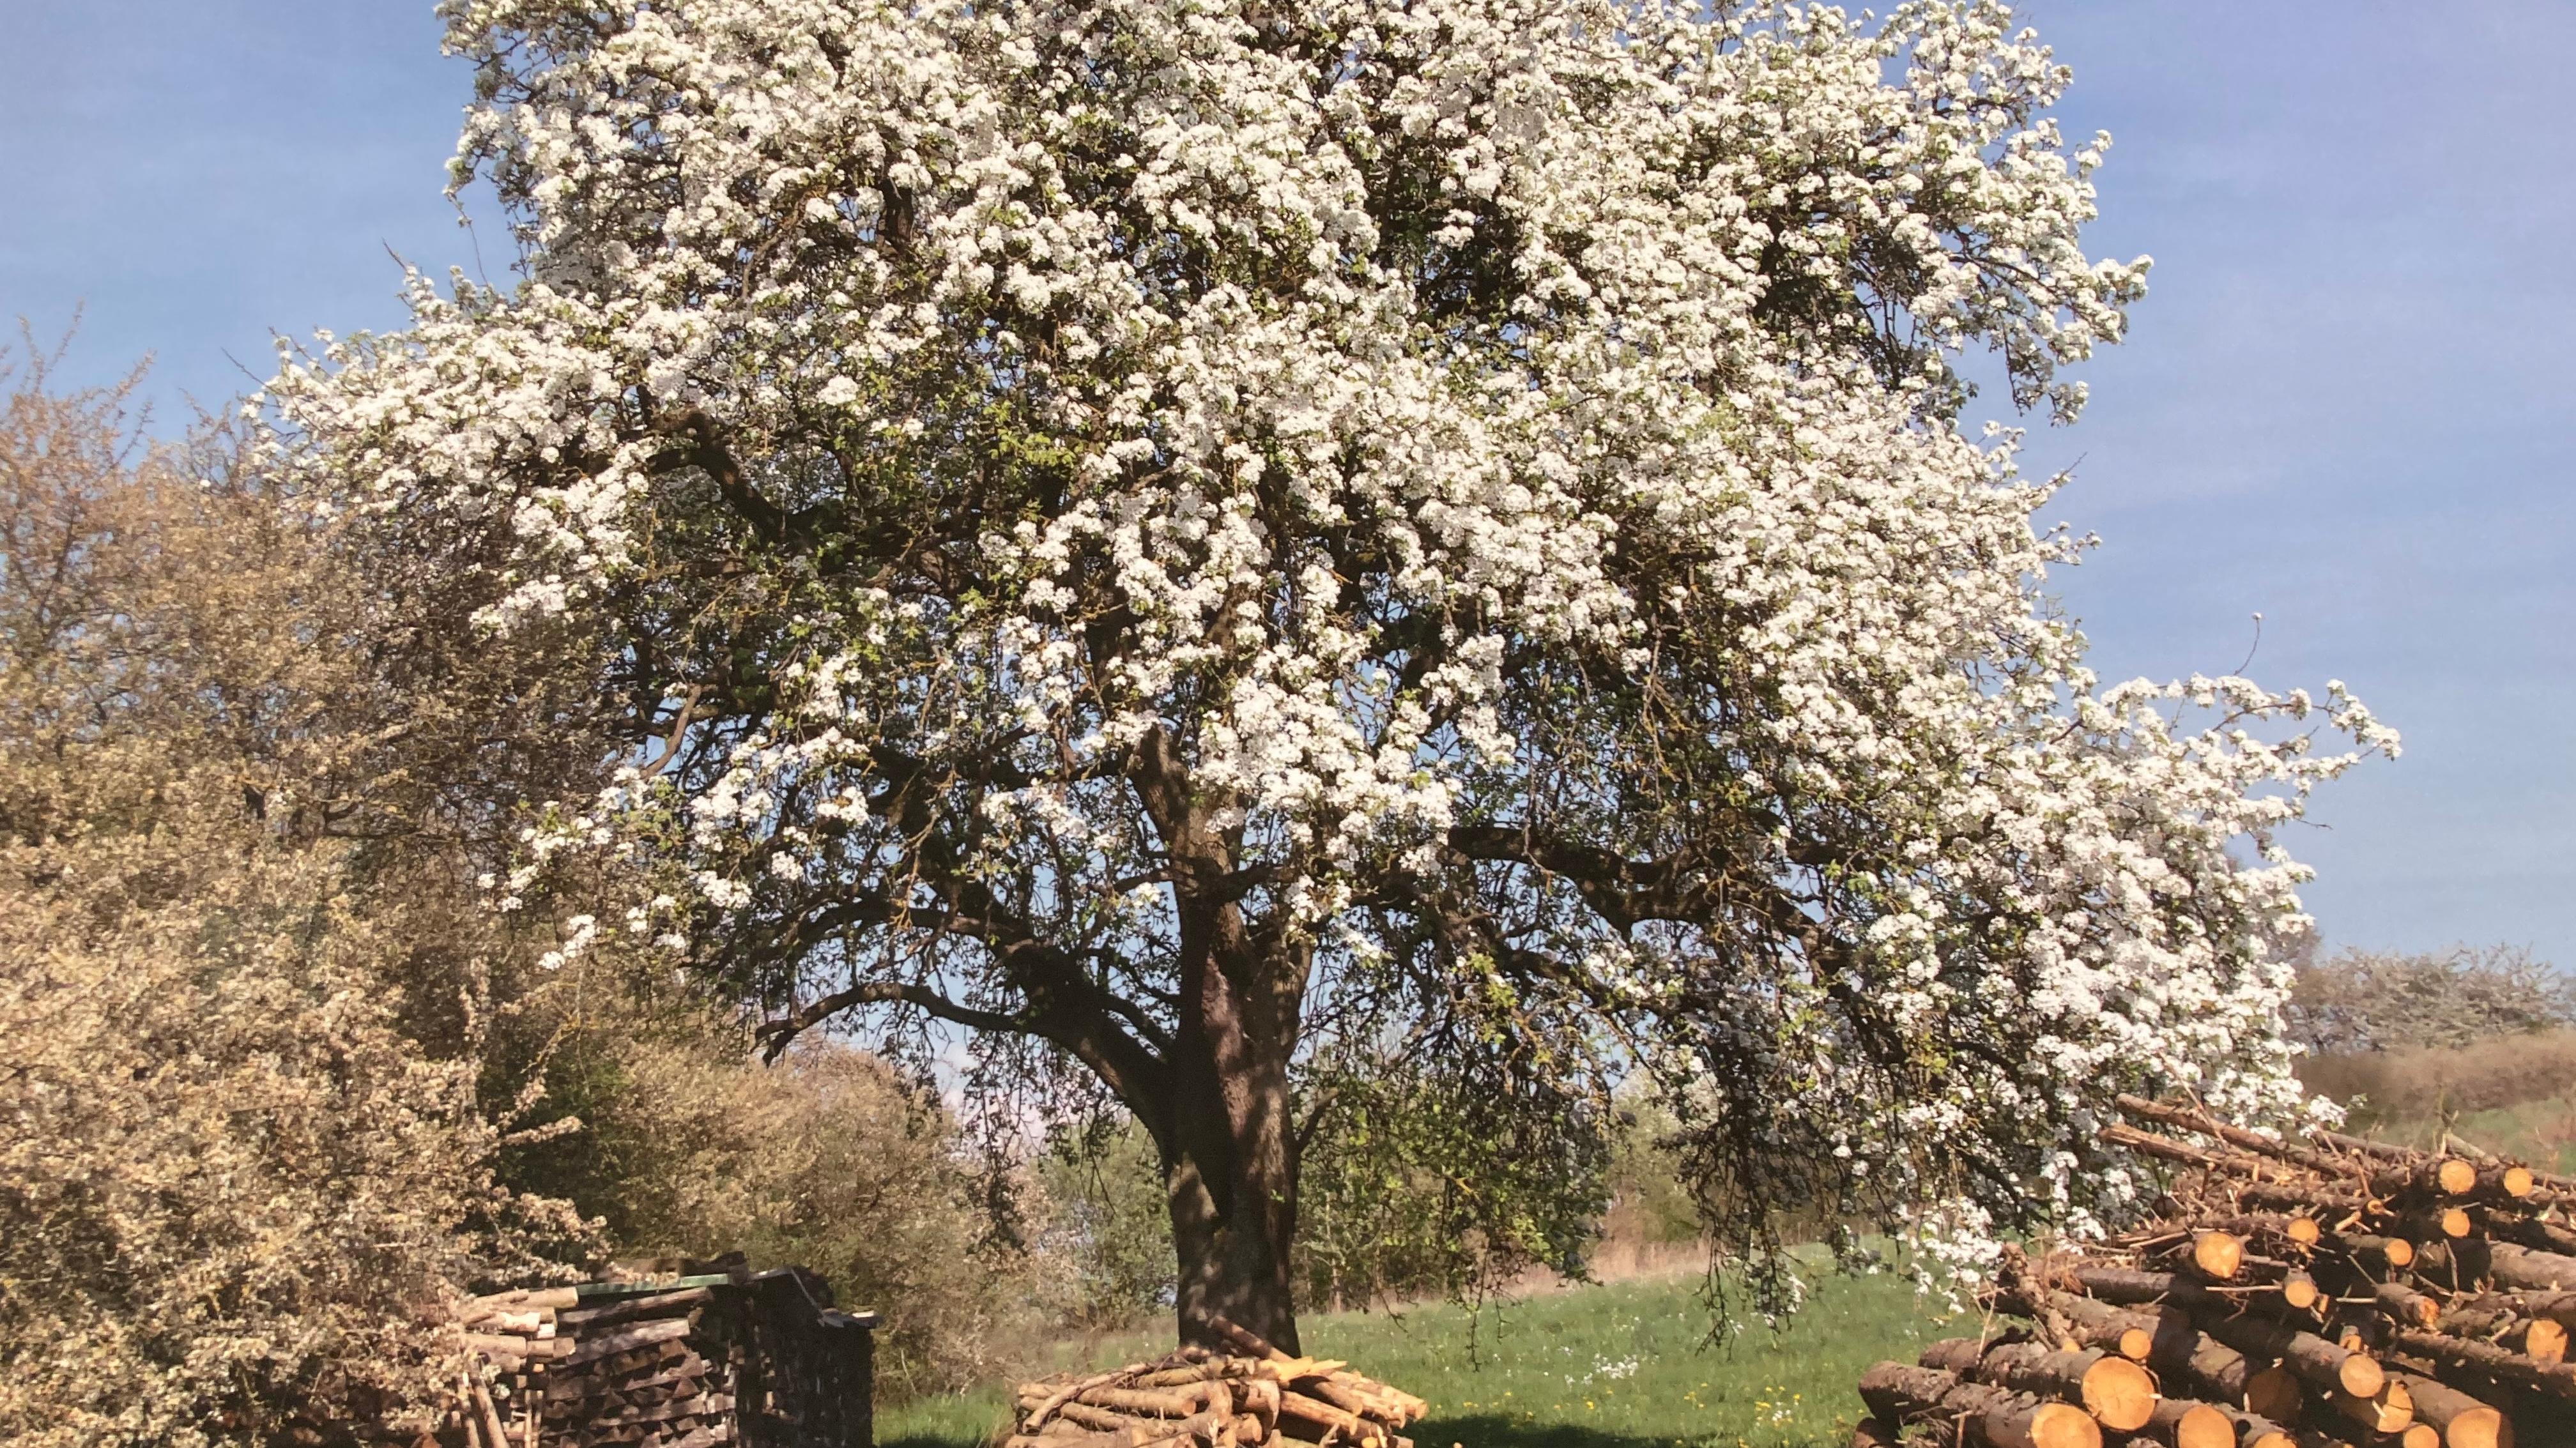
[[1497, 1430]]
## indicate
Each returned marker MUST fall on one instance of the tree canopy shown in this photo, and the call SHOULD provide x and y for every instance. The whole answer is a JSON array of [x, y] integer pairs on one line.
[[1237, 546]]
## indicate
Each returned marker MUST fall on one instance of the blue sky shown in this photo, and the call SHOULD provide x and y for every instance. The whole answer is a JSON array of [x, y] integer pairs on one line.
[[2346, 403]]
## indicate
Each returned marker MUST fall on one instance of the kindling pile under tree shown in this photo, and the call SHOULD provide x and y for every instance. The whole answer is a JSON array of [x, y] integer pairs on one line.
[[1259, 551]]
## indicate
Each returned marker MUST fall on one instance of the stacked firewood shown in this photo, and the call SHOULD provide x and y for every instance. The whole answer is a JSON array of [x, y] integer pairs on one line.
[[546, 1366], [2289, 1294], [1248, 1395]]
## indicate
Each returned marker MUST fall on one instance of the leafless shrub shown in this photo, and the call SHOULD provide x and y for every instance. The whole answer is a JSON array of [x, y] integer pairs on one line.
[[2360, 1000]]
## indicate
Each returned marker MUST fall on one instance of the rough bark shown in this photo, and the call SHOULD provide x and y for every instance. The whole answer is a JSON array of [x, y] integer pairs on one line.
[[1227, 1138]]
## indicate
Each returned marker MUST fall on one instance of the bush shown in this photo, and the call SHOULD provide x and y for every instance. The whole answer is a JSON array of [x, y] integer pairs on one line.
[[2361, 1000], [1110, 1224], [2422, 1085], [234, 1191], [828, 1160]]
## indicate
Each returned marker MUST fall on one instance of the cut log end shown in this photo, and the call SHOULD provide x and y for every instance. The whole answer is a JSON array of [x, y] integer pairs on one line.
[[2063, 1425], [2458, 1176], [2135, 1343], [2419, 1435], [2518, 1181], [2220, 1255], [2121, 1394], [2273, 1393], [2545, 1340], [2202, 1426], [2361, 1376], [2455, 1222], [2299, 1290], [2477, 1428], [2400, 1252], [2303, 1230]]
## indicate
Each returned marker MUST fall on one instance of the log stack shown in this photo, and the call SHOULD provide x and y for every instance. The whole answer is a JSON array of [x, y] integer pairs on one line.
[[2289, 1294], [1248, 1395], [630, 1370]]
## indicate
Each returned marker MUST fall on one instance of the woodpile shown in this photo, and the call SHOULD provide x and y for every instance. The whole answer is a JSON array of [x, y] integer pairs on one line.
[[551, 1366], [2289, 1294], [1251, 1394]]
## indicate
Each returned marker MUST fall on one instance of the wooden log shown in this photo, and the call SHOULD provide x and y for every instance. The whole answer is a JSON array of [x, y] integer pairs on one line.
[[2454, 1266], [2362, 1146], [2383, 1254], [1988, 1416], [2317, 1363], [1153, 1402], [2275, 1393], [2511, 1181], [2201, 1123], [1413, 1407], [2558, 1307], [1065, 1392], [2532, 1232], [2404, 1305], [2298, 1290], [1259, 1398], [2292, 1230], [1243, 1339], [1096, 1417], [2557, 1380], [1317, 1421], [2306, 1198], [2217, 1256], [647, 1334], [1350, 1401], [2129, 1331], [2253, 1430], [2501, 1321], [2449, 1176], [2217, 1371], [2117, 1392], [2524, 1270], [1198, 1372], [2462, 1420], [546, 1298], [488, 1415], [2131, 1287], [2390, 1410], [661, 1304], [2437, 1222], [2183, 1423], [2147, 1143]]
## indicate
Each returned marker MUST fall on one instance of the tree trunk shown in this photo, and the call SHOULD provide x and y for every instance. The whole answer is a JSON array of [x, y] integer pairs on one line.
[[1230, 1178], [1228, 1146]]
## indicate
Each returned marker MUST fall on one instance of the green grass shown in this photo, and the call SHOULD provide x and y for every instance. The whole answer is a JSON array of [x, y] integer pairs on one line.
[[1621, 1366], [2542, 1133]]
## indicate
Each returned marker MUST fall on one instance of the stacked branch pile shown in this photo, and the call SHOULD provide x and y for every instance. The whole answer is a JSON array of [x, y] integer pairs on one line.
[[2289, 1294], [546, 1367], [1248, 1395]]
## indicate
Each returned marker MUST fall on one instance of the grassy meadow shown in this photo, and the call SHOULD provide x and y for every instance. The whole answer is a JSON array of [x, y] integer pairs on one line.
[[1623, 1365]]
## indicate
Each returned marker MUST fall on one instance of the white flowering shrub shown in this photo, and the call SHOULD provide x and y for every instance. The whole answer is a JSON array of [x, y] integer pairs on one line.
[[1193, 540]]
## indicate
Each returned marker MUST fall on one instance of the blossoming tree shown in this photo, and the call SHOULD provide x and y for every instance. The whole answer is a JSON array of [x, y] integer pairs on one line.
[[1206, 541]]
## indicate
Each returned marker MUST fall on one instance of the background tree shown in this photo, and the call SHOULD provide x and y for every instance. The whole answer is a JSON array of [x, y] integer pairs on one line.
[[2374, 1000], [1224, 549]]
